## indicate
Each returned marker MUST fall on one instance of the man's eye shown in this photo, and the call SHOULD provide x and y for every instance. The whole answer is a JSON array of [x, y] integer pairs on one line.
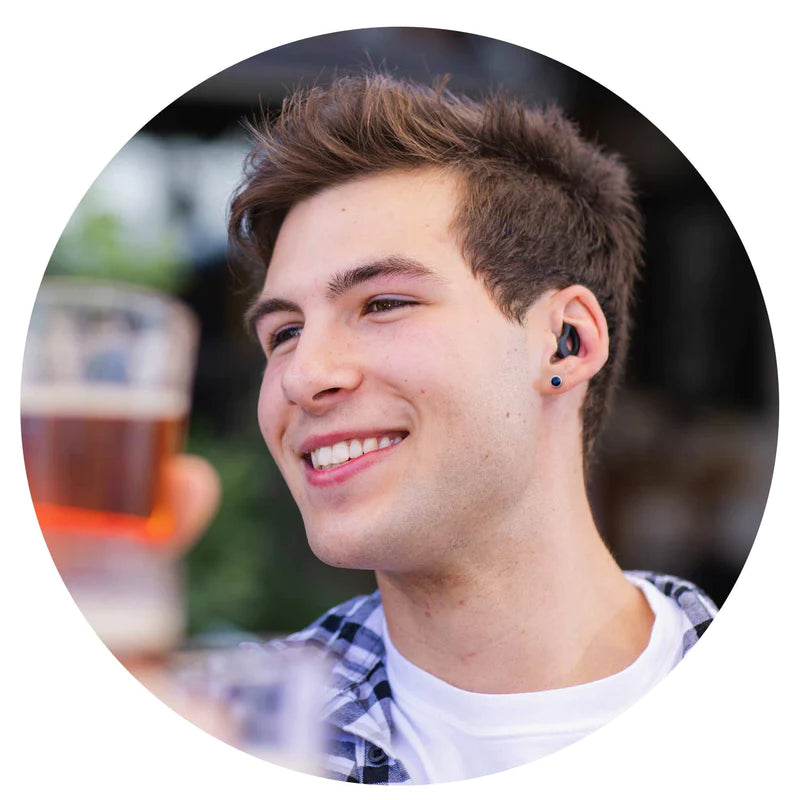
[[380, 304], [283, 335]]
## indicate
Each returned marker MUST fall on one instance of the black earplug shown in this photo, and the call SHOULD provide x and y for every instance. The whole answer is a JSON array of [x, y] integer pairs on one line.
[[569, 343]]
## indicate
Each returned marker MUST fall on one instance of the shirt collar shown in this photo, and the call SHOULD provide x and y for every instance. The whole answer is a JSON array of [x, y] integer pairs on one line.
[[357, 699]]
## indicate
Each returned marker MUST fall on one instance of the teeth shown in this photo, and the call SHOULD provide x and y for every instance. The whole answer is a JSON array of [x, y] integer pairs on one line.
[[356, 449], [340, 452], [324, 456]]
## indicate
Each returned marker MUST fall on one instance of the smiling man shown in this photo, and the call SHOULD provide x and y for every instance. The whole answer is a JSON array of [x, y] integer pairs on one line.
[[444, 309]]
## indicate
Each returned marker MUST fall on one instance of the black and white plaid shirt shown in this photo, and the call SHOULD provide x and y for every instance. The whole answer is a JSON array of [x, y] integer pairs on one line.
[[358, 699]]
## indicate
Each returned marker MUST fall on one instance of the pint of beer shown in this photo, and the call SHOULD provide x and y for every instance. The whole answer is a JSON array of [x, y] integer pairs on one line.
[[105, 400]]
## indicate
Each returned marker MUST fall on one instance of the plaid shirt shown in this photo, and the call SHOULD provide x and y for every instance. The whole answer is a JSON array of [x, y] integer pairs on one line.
[[358, 700]]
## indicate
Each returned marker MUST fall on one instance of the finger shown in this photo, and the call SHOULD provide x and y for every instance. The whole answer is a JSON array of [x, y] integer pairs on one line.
[[193, 492]]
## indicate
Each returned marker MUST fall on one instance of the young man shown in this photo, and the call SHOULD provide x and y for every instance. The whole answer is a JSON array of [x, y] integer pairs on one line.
[[444, 309]]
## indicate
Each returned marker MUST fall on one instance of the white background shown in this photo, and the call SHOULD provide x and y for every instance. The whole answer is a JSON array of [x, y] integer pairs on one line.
[[80, 78]]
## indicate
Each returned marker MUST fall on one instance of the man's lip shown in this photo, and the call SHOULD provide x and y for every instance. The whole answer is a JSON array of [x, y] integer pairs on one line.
[[329, 439], [341, 473]]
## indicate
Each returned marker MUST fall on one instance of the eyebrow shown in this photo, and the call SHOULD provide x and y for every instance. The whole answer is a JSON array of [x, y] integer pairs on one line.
[[341, 283]]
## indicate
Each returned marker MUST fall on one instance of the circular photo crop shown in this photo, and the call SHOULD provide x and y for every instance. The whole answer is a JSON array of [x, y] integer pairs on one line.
[[400, 406]]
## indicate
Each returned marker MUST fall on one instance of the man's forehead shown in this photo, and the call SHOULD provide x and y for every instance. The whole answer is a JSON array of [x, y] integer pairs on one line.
[[404, 214]]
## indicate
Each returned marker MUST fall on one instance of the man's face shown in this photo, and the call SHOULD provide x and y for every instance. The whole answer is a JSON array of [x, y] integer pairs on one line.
[[397, 400]]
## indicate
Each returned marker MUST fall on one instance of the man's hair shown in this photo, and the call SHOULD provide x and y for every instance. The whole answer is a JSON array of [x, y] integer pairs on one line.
[[540, 208]]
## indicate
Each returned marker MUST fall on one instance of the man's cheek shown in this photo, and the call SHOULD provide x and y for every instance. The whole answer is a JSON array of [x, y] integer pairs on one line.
[[263, 420], [268, 408]]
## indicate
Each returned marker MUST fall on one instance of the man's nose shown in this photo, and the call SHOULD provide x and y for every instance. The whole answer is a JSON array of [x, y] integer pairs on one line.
[[322, 370]]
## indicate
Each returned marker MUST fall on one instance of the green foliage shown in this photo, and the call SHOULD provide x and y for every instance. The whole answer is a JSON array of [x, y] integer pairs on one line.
[[97, 244]]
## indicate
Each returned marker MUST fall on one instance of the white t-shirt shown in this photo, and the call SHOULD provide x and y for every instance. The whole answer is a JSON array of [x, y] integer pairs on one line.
[[442, 733]]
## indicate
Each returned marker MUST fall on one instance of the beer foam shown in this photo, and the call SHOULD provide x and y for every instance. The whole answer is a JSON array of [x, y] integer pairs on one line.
[[104, 401]]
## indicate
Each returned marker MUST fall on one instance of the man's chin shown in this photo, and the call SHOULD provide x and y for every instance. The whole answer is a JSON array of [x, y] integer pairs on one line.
[[352, 548], [342, 555]]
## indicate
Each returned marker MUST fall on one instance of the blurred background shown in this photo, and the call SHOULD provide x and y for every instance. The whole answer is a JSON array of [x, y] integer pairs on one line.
[[687, 457]]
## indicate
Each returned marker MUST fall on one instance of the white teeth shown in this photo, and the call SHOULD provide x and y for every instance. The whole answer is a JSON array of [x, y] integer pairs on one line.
[[324, 456], [356, 449], [343, 451], [340, 453]]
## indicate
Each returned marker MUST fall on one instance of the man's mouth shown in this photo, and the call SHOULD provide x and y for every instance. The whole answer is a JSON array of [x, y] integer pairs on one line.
[[334, 455]]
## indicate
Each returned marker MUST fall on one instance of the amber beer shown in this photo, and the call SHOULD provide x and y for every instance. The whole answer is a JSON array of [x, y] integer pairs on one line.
[[95, 458]]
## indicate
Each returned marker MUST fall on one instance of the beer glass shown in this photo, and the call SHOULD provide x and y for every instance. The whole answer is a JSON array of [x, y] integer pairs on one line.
[[273, 695], [105, 398]]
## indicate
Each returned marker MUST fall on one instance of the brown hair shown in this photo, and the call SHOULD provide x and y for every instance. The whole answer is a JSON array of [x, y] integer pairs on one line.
[[541, 208]]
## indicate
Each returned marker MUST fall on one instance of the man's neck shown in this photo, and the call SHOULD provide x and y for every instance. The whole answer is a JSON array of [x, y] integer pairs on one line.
[[541, 609]]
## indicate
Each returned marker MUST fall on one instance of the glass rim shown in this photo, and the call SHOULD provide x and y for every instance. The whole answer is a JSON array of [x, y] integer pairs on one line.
[[100, 292]]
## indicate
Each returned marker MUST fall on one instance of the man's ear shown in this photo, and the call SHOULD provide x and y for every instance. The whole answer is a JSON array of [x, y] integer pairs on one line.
[[586, 346]]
